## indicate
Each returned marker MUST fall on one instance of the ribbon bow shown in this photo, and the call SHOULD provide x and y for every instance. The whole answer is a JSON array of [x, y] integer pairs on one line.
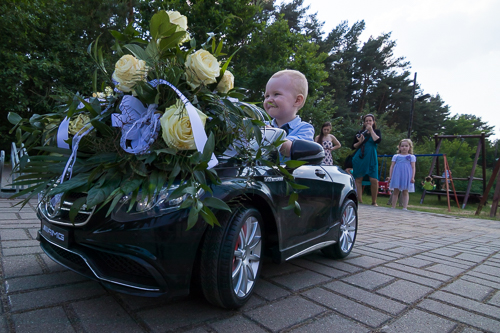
[[139, 125]]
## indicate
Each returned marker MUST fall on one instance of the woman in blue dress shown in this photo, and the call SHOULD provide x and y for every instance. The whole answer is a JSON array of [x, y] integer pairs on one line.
[[365, 160]]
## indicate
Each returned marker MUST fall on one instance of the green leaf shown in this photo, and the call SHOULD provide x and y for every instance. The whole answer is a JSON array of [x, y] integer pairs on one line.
[[216, 203], [129, 186], [172, 40], [75, 208], [193, 214], [139, 53], [209, 148], [102, 128], [200, 176], [118, 35], [292, 164], [156, 21], [209, 216], [14, 118]]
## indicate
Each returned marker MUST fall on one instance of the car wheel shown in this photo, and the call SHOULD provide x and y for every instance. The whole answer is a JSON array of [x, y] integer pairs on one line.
[[231, 258], [347, 232]]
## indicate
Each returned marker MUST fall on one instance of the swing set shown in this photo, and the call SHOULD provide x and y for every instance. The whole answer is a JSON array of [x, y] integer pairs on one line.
[[447, 175]]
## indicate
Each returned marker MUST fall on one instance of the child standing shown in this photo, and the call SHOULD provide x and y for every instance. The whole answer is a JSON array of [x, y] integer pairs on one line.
[[286, 93], [402, 173]]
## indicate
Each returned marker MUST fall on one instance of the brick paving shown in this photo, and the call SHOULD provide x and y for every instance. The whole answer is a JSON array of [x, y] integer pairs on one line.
[[409, 272]]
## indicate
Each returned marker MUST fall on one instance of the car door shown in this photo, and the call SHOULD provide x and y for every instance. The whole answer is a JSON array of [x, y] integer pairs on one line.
[[316, 207]]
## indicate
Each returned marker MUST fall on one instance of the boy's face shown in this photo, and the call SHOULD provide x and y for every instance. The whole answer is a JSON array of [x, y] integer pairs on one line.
[[281, 100]]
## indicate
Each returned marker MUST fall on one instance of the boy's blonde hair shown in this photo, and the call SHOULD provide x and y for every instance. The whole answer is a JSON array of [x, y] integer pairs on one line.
[[410, 151], [299, 81]]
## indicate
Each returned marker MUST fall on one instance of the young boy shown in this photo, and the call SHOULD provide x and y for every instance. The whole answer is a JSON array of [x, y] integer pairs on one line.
[[286, 93]]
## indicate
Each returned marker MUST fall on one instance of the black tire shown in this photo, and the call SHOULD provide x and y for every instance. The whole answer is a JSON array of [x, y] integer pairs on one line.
[[226, 252], [347, 232]]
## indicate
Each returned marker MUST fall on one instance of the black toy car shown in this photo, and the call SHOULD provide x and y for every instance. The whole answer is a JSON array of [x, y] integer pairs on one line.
[[149, 252]]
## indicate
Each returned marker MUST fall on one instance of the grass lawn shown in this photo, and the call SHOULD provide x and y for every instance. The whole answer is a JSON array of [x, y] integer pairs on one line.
[[432, 204]]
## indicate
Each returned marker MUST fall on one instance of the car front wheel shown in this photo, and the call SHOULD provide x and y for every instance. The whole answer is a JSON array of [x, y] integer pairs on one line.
[[231, 258], [347, 232]]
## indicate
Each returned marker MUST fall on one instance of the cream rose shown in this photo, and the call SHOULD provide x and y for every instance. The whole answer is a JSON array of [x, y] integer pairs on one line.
[[227, 82], [81, 121], [128, 71], [201, 68], [176, 127], [181, 21]]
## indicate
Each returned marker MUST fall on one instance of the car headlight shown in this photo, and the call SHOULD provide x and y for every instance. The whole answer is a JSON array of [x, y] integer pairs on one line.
[[145, 207]]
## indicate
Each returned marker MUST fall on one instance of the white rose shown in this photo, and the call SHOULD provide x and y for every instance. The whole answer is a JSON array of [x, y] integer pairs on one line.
[[181, 21], [81, 121], [201, 68], [128, 71], [227, 82], [176, 127]]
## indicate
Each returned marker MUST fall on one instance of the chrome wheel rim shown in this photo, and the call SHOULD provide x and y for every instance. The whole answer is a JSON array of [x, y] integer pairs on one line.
[[347, 229], [246, 259]]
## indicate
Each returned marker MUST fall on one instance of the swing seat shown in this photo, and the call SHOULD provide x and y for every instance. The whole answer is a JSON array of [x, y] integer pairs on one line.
[[383, 188]]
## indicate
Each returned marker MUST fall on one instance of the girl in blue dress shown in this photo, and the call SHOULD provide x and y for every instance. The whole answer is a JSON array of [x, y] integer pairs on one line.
[[402, 173]]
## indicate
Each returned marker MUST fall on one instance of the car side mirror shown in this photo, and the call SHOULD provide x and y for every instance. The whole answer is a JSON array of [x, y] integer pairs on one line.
[[309, 151]]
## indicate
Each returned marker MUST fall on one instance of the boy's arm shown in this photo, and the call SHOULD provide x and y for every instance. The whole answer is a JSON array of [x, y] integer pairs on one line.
[[304, 131]]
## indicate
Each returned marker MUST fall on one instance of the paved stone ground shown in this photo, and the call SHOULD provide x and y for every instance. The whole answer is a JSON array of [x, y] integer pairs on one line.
[[409, 272]]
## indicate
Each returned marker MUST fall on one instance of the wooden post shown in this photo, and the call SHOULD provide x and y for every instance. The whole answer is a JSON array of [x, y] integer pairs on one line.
[[483, 142], [434, 159], [488, 187], [473, 171], [496, 195]]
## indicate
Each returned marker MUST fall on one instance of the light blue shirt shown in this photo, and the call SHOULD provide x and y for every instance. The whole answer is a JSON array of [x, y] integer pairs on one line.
[[298, 129]]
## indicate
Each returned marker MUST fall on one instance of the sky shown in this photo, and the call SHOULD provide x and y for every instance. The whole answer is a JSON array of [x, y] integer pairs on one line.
[[453, 45]]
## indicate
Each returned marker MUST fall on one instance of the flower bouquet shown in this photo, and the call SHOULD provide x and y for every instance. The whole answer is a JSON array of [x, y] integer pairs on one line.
[[168, 110]]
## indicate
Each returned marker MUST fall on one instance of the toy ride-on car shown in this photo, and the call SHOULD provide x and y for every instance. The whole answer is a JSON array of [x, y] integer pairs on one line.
[[147, 251]]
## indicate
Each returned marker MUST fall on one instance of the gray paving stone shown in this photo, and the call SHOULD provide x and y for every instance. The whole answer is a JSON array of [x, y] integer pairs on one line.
[[481, 281], [416, 321], [366, 297], [270, 291], [43, 320], [365, 261], [383, 255], [471, 257], [33, 232], [13, 234], [318, 268], [383, 246], [104, 315], [15, 251], [495, 300], [407, 276], [300, 280], [236, 324], [285, 313], [3, 325], [21, 265], [446, 252], [177, 315], [42, 281], [271, 269], [24, 243], [419, 271], [253, 302], [137, 303], [418, 263], [54, 296], [28, 215], [405, 250], [461, 315], [467, 304], [487, 269], [331, 323], [9, 216], [446, 269], [405, 291], [369, 279], [468, 289], [348, 307], [337, 264]]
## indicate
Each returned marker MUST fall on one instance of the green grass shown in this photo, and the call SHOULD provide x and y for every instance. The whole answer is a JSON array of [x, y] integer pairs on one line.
[[432, 204]]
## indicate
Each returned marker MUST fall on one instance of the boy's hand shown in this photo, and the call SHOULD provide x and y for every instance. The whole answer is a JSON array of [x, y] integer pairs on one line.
[[285, 148]]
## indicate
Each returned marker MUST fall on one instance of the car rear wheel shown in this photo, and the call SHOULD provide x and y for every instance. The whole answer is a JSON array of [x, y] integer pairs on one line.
[[231, 258], [347, 232]]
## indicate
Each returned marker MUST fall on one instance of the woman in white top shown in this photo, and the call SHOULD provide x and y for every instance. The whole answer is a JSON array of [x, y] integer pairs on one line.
[[328, 141]]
